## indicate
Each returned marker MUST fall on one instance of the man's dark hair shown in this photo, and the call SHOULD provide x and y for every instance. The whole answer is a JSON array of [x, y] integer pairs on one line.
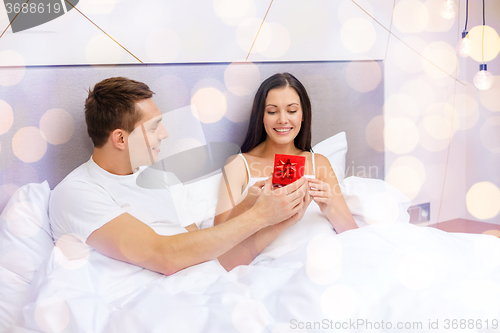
[[111, 105]]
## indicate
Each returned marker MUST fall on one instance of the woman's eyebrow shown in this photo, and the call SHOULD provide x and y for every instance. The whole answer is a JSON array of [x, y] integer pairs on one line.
[[271, 105], [293, 104]]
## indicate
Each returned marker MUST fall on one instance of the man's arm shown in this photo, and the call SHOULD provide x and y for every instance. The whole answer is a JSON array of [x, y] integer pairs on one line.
[[243, 253], [127, 239]]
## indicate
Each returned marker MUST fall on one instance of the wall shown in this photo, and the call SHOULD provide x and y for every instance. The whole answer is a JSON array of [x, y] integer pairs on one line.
[[441, 133]]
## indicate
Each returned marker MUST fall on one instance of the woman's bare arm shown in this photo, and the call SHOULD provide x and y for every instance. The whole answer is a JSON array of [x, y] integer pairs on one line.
[[325, 190], [232, 203]]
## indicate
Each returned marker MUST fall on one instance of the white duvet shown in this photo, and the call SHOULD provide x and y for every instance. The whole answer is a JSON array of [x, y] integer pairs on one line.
[[394, 277]]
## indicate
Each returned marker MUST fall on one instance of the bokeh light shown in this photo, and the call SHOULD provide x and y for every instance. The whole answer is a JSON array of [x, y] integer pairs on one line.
[[280, 41], [103, 50], [250, 316], [374, 133], [358, 35], [407, 174], [466, 109], [400, 135], [430, 143], [490, 134], [401, 105], [339, 302], [24, 219], [410, 16], [348, 10], [52, 315], [407, 59], [163, 45], [6, 117], [420, 91], [493, 232], [437, 23], [57, 125], [491, 43], [363, 76], [440, 121], [15, 70], [483, 200], [416, 271], [76, 253], [324, 256], [19, 263], [242, 78], [210, 103], [381, 208], [490, 98], [246, 32], [440, 60], [29, 144], [232, 12]]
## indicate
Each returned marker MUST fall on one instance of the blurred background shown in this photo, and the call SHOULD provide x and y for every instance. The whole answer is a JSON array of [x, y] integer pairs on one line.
[[441, 134]]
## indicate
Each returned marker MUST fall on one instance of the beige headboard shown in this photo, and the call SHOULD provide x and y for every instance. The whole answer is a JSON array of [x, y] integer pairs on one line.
[[47, 136]]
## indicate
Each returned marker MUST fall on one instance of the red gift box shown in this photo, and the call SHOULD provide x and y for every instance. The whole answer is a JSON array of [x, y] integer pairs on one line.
[[288, 168]]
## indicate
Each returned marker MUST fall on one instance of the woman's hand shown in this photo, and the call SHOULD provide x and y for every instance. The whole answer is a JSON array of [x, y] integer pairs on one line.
[[322, 193]]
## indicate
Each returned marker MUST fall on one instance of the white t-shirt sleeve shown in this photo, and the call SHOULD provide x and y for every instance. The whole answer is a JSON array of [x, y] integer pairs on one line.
[[182, 206], [78, 207]]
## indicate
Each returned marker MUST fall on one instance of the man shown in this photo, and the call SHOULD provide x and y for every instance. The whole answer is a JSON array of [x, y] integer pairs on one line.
[[101, 204]]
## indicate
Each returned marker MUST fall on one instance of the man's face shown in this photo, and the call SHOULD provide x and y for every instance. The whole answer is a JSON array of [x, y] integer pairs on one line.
[[144, 141]]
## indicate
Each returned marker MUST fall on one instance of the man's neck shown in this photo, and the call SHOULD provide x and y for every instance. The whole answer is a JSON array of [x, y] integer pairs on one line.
[[112, 161]]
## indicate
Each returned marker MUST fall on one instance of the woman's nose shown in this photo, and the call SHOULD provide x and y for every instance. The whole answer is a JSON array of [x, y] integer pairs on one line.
[[282, 118]]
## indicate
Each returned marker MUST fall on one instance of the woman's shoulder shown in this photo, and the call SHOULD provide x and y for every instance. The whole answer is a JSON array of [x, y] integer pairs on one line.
[[235, 160], [320, 159]]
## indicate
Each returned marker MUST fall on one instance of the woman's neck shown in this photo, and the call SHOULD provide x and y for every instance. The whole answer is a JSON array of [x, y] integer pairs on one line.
[[269, 148]]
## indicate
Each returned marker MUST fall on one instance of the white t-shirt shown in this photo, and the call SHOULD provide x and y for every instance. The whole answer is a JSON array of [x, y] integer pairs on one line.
[[89, 197]]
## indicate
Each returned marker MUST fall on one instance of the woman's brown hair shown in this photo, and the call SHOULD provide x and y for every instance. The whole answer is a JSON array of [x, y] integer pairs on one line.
[[256, 132]]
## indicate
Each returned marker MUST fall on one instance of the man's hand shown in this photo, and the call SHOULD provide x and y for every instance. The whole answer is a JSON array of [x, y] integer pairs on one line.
[[275, 206], [282, 226]]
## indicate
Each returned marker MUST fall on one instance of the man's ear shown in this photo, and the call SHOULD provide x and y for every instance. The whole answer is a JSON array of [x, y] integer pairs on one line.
[[119, 138]]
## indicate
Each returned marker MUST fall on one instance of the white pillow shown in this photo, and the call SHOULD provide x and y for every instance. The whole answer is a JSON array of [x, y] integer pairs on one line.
[[334, 149], [374, 201], [25, 242]]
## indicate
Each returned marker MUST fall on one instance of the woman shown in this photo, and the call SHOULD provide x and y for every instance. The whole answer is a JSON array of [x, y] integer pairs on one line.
[[280, 123]]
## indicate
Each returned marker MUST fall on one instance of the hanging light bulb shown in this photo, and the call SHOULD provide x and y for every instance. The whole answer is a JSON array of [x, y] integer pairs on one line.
[[483, 80], [463, 45], [448, 9]]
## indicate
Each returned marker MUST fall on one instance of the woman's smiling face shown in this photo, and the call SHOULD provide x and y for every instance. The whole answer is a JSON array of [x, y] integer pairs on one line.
[[282, 115]]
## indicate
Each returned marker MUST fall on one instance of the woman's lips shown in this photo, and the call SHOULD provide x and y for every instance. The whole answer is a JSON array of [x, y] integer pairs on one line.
[[283, 130]]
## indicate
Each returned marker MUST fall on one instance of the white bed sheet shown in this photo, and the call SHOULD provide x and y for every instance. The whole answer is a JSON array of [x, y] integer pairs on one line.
[[395, 273]]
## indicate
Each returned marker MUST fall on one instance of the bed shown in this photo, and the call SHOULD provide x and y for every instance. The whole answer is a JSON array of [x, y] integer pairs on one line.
[[388, 275]]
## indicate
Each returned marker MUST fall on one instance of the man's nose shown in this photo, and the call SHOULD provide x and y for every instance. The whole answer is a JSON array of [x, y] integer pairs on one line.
[[163, 132]]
